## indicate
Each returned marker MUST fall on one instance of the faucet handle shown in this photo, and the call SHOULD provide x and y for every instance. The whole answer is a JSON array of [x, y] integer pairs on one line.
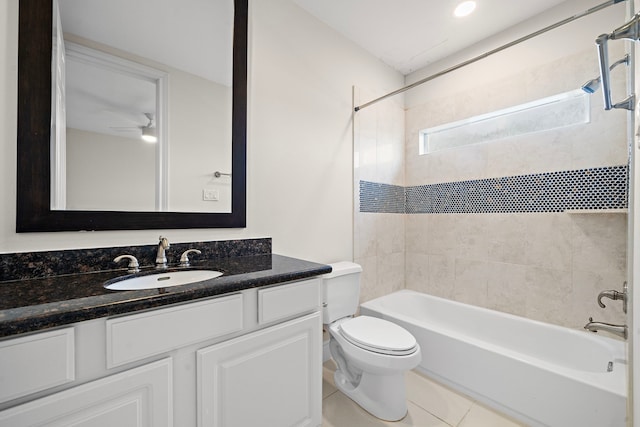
[[164, 242], [614, 295], [134, 266], [184, 258], [611, 294]]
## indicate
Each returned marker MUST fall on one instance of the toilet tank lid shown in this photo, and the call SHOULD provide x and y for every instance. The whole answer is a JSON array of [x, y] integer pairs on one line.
[[341, 268]]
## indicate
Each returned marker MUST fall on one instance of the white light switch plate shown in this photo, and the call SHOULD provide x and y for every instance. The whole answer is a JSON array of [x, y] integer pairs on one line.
[[210, 195]]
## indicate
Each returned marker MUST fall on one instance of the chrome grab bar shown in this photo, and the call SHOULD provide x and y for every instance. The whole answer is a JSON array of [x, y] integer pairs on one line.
[[629, 31], [603, 60]]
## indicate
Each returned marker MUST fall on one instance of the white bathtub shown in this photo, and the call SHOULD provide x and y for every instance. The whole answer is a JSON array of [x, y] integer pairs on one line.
[[541, 374]]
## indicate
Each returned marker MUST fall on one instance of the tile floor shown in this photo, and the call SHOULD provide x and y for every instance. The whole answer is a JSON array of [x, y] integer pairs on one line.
[[430, 405]]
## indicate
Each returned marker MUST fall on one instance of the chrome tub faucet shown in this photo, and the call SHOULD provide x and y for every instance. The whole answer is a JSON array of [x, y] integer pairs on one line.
[[161, 257], [619, 330]]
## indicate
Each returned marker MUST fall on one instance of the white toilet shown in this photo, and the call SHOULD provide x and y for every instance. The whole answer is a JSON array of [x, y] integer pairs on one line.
[[372, 354]]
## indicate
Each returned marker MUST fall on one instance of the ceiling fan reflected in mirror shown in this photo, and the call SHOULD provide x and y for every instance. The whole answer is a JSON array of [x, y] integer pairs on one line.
[[148, 131]]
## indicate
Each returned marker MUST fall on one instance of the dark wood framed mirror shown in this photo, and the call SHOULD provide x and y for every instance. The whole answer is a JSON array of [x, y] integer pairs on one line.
[[33, 206]]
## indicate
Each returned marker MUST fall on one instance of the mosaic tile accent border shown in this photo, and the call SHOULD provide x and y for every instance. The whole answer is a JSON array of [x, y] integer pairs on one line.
[[382, 198], [594, 188]]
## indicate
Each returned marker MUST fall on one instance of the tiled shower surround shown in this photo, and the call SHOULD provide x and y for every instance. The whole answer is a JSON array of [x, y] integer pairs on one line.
[[485, 224]]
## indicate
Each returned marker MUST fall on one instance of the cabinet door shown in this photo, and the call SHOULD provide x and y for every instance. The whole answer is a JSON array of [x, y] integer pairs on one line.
[[138, 397], [269, 378]]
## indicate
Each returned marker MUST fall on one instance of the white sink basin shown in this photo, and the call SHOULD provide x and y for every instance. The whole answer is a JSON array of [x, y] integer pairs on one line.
[[162, 280]]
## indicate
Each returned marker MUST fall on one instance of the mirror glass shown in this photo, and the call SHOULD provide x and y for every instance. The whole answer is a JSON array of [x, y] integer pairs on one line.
[[94, 78], [145, 93]]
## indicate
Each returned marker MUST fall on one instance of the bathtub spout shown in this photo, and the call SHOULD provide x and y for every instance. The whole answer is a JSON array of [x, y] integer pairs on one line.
[[619, 330]]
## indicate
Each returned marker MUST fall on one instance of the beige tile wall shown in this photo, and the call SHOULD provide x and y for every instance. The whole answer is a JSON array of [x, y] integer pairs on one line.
[[379, 239], [600, 143], [544, 266]]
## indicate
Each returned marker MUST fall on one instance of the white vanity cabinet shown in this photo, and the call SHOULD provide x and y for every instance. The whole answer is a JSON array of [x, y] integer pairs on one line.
[[249, 358]]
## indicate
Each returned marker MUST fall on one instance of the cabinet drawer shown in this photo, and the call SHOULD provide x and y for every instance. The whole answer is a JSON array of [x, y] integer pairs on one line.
[[134, 337], [280, 302], [36, 362]]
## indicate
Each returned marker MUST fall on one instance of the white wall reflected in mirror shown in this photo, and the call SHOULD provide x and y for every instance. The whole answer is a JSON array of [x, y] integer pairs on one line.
[[124, 77]]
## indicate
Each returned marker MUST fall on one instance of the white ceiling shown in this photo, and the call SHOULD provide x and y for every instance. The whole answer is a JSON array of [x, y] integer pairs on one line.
[[116, 106], [190, 35], [193, 35], [409, 34]]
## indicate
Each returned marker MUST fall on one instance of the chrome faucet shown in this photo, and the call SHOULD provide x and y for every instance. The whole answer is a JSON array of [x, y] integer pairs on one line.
[[134, 267], [619, 330], [614, 295], [161, 257], [184, 258]]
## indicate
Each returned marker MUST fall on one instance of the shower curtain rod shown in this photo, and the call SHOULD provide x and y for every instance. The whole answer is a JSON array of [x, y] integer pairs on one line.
[[491, 52]]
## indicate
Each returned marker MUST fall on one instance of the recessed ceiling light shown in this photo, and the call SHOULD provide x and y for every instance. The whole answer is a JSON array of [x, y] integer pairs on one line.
[[464, 8]]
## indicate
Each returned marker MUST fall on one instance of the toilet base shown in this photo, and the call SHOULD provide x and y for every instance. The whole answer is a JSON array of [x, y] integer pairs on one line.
[[383, 396]]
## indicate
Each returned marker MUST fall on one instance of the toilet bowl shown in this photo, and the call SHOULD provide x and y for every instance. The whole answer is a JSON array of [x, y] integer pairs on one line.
[[372, 373], [371, 354]]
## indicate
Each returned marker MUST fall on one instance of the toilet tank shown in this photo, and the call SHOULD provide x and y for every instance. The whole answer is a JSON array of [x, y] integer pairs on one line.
[[340, 291]]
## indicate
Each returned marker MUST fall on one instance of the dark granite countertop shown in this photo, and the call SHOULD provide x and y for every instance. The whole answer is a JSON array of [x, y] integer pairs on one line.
[[35, 304]]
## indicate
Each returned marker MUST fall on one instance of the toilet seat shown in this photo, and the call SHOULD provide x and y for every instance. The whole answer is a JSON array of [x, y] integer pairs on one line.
[[378, 335]]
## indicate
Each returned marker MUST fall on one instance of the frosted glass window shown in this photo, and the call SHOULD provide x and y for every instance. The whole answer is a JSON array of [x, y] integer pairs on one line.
[[567, 109]]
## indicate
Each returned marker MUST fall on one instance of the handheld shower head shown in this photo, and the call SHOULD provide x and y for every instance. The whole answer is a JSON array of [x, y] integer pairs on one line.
[[594, 84], [591, 86]]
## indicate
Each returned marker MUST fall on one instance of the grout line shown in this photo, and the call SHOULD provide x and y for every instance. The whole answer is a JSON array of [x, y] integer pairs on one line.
[[473, 402], [430, 413], [463, 417], [330, 394]]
